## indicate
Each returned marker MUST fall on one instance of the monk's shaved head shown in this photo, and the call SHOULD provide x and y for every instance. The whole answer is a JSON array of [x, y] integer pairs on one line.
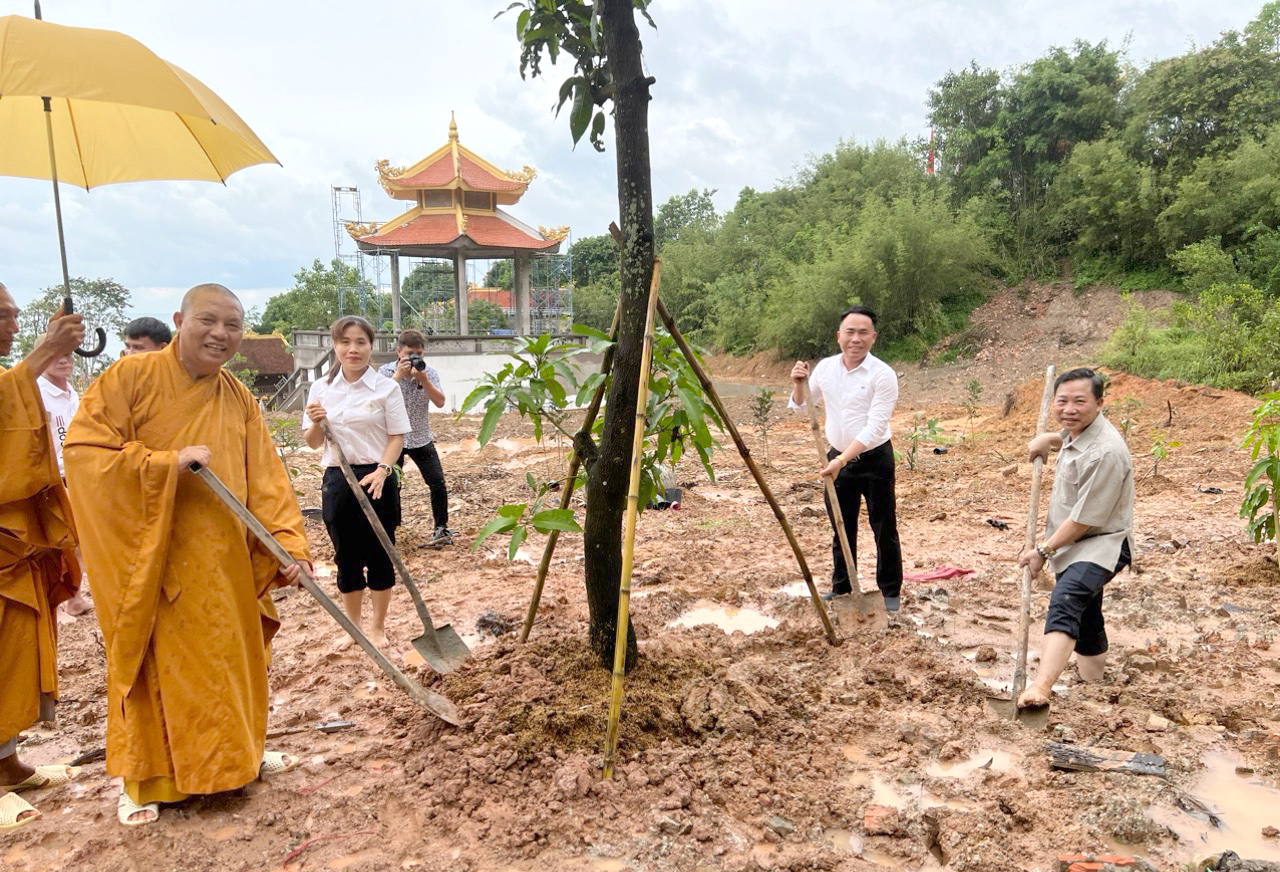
[[189, 299]]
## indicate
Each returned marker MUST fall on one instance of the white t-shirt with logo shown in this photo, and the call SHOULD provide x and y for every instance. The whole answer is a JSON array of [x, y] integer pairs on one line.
[[59, 405]]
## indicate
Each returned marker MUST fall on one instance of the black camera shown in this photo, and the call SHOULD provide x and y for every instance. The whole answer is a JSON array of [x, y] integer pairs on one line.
[[416, 361]]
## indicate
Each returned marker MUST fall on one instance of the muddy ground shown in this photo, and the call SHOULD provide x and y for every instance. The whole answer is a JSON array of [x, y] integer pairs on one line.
[[761, 749]]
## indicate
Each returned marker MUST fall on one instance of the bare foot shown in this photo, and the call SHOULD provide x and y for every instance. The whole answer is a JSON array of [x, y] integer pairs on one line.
[[1033, 697], [343, 644], [378, 637], [77, 605]]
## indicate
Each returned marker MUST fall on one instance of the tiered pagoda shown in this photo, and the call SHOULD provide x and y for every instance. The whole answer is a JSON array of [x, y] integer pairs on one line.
[[455, 216]]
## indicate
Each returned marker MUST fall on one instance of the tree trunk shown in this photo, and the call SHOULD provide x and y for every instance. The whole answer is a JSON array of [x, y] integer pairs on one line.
[[607, 483]]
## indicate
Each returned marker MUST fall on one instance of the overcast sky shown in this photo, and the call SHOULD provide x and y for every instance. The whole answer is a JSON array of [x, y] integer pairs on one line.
[[745, 90]]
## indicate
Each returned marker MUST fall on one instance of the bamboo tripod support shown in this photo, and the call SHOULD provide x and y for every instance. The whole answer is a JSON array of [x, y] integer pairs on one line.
[[629, 527], [571, 480], [710, 391], [1033, 521], [745, 452]]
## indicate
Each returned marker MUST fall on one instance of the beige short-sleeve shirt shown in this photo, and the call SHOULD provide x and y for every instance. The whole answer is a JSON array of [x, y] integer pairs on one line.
[[1093, 485]]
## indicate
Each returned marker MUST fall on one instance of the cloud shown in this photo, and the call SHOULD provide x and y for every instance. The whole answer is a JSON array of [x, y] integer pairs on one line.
[[745, 90]]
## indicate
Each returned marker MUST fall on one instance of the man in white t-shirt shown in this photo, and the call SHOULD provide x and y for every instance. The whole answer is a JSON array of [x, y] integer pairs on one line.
[[60, 403]]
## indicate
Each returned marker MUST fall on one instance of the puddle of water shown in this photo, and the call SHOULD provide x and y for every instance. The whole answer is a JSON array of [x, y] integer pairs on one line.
[[854, 754], [469, 446], [1000, 761], [727, 618], [513, 445], [845, 840], [1243, 802], [882, 792], [929, 799], [413, 658], [608, 864], [796, 588], [882, 859]]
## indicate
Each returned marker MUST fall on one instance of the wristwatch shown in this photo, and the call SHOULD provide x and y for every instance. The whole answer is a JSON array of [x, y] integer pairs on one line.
[[1045, 551], [386, 467]]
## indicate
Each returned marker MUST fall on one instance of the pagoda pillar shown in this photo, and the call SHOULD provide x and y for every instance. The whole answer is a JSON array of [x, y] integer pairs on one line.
[[395, 292], [523, 325], [460, 292]]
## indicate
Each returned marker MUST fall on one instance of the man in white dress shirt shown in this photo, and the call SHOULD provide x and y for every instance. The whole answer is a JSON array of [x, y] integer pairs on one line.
[[859, 391], [60, 402]]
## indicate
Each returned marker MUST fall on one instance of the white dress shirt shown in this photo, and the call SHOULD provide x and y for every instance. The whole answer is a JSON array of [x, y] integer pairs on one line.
[[60, 405], [859, 401], [363, 415]]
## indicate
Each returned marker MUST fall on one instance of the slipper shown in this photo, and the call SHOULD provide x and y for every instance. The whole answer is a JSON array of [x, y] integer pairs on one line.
[[126, 808], [275, 762], [12, 805], [53, 775]]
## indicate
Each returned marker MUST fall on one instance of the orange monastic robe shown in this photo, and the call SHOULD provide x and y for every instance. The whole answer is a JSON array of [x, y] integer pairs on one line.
[[180, 588], [37, 553]]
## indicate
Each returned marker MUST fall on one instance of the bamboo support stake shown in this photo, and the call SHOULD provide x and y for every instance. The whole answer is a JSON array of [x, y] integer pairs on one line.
[[575, 461], [1033, 521], [709, 389], [629, 527]]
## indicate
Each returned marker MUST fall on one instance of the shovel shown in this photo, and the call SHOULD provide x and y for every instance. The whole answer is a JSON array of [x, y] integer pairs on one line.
[[1039, 716], [432, 702], [441, 647], [870, 602]]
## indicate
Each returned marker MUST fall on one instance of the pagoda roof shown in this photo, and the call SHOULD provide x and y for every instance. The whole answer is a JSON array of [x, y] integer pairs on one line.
[[268, 355], [454, 166], [436, 232]]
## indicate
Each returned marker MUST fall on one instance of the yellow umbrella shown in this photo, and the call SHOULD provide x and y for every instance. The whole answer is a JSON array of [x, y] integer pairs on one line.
[[95, 107]]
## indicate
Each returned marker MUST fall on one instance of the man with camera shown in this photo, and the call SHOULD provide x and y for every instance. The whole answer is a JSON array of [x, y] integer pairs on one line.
[[420, 385]]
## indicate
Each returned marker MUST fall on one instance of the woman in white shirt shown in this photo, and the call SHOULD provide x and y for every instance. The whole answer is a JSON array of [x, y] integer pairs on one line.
[[366, 413]]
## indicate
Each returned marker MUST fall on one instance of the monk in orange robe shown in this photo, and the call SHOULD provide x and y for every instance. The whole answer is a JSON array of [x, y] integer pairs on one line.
[[38, 569], [182, 589]]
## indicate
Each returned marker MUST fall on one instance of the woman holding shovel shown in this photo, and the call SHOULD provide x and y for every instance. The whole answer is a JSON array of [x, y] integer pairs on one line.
[[367, 417]]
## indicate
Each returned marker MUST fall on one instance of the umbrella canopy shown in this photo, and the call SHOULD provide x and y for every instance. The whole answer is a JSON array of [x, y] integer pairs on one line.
[[119, 112]]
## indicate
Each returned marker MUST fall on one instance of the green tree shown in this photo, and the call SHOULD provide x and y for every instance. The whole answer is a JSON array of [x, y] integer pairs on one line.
[[593, 258], [430, 281], [1108, 202], [693, 212], [604, 43], [595, 303], [500, 275], [312, 302], [483, 316], [964, 111], [102, 302]]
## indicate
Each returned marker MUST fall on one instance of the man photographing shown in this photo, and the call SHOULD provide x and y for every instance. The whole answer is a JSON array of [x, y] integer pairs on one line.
[[420, 385]]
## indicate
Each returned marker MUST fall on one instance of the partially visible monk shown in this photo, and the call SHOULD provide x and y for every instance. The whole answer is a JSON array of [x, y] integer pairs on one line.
[[38, 569], [182, 589]]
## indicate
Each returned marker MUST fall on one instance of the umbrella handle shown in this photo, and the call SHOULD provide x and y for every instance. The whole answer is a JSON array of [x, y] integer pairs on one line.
[[67, 308]]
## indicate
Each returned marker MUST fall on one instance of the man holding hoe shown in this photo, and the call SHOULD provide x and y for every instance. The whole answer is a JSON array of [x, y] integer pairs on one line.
[[1089, 527]]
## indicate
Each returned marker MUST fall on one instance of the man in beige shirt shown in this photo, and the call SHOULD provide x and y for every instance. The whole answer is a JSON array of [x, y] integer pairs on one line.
[[1089, 527]]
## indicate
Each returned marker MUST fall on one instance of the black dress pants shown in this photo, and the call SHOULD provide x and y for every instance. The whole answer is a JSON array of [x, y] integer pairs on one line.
[[428, 461], [870, 477], [356, 548]]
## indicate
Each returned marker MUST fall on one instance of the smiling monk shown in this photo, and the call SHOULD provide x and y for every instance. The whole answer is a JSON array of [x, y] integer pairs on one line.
[[183, 591]]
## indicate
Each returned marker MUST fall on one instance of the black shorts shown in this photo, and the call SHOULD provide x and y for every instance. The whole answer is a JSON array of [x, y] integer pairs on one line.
[[1075, 606]]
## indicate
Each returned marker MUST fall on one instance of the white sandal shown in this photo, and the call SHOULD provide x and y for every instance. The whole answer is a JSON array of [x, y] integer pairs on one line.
[[126, 808], [12, 805], [275, 762]]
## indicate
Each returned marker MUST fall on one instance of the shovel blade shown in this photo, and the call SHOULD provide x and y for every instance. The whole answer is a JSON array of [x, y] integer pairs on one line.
[[1032, 718], [444, 651]]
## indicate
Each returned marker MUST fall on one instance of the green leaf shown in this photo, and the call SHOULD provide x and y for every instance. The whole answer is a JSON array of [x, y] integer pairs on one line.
[[529, 480], [516, 538], [581, 114], [491, 416], [597, 125], [475, 397], [555, 519], [497, 525], [522, 22], [585, 330]]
